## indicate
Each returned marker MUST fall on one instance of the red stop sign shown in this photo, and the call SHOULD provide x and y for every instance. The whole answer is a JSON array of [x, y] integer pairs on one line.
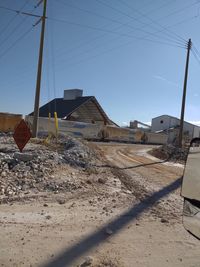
[[22, 135]]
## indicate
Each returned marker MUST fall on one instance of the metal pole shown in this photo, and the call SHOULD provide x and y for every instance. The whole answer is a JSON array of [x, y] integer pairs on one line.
[[39, 73], [184, 95]]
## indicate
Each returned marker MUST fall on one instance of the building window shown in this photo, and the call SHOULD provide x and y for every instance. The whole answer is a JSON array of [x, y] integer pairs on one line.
[[161, 121]]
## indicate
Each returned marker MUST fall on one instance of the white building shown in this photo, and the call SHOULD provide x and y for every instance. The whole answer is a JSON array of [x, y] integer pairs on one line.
[[170, 125]]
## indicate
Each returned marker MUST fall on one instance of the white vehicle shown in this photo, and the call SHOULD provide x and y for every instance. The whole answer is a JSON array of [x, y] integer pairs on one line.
[[191, 190]]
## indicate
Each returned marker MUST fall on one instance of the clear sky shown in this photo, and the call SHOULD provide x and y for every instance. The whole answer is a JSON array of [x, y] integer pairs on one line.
[[129, 54]]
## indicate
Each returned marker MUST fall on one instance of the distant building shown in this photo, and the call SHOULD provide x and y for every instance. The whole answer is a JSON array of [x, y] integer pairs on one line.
[[139, 125], [76, 107], [170, 125]]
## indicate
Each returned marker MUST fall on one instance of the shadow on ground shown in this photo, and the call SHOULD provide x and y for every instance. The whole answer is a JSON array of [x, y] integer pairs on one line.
[[66, 258]]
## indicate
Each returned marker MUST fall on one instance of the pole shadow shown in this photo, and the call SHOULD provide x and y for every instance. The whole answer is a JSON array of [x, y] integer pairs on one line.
[[66, 258]]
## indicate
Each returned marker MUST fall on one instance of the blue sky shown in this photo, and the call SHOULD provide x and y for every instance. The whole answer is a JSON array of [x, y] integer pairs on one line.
[[123, 52]]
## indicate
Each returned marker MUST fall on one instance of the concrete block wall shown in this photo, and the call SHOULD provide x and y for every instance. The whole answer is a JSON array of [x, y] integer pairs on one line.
[[97, 131]]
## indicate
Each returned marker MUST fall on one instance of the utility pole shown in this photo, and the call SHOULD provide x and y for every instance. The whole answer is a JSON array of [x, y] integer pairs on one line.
[[184, 95], [39, 72]]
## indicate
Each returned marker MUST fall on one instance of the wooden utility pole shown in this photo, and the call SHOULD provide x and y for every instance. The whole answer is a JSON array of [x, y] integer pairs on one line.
[[39, 73], [184, 95]]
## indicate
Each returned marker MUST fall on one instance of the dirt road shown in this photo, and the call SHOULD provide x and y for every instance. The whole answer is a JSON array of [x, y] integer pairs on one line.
[[130, 217]]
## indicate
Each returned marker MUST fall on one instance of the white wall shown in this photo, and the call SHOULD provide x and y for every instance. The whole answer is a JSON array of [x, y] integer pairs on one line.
[[165, 122], [196, 132], [156, 124]]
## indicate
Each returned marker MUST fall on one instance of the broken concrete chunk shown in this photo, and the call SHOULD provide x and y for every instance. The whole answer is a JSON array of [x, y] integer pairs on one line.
[[87, 262], [24, 156], [109, 231]]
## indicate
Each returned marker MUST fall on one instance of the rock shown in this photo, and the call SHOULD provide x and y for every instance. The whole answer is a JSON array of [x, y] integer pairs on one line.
[[89, 181], [102, 180], [24, 156], [164, 220], [61, 201], [109, 231], [87, 262], [48, 217], [3, 174]]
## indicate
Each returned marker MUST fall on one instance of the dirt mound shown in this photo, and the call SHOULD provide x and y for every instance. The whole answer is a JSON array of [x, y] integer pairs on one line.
[[170, 152]]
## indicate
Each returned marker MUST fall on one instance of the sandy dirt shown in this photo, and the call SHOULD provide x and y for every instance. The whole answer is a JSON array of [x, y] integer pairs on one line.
[[128, 213]]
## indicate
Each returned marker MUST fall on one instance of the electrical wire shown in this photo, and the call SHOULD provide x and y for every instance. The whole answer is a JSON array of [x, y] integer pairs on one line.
[[147, 13], [17, 41], [88, 42], [133, 18], [125, 24], [99, 54], [160, 7], [95, 48], [196, 56], [99, 37], [181, 10], [13, 18], [15, 29], [112, 32], [170, 33], [196, 50], [81, 44]]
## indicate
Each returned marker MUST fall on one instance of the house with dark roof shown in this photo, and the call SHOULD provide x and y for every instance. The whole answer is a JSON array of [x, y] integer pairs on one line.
[[76, 107]]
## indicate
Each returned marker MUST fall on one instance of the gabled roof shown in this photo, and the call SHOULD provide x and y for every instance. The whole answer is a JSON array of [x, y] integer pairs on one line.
[[62, 107], [176, 119]]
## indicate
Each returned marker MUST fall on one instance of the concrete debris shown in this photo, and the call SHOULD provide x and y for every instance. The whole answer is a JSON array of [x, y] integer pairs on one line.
[[34, 169], [170, 152], [24, 156], [77, 154], [87, 262]]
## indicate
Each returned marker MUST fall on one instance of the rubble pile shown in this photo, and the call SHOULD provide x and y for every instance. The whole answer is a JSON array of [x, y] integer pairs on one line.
[[77, 154], [36, 169], [170, 152]]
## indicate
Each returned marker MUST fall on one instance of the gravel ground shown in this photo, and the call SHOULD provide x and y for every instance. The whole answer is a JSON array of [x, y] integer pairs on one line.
[[125, 212]]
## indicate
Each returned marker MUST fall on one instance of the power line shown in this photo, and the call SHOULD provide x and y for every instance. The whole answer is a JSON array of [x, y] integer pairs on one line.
[[196, 53], [136, 19], [125, 24], [99, 37], [100, 54], [13, 18], [196, 50], [15, 29], [18, 40], [158, 8], [170, 33], [196, 56], [173, 13], [116, 28], [139, 39], [181, 10], [20, 12], [112, 32], [88, 42]]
